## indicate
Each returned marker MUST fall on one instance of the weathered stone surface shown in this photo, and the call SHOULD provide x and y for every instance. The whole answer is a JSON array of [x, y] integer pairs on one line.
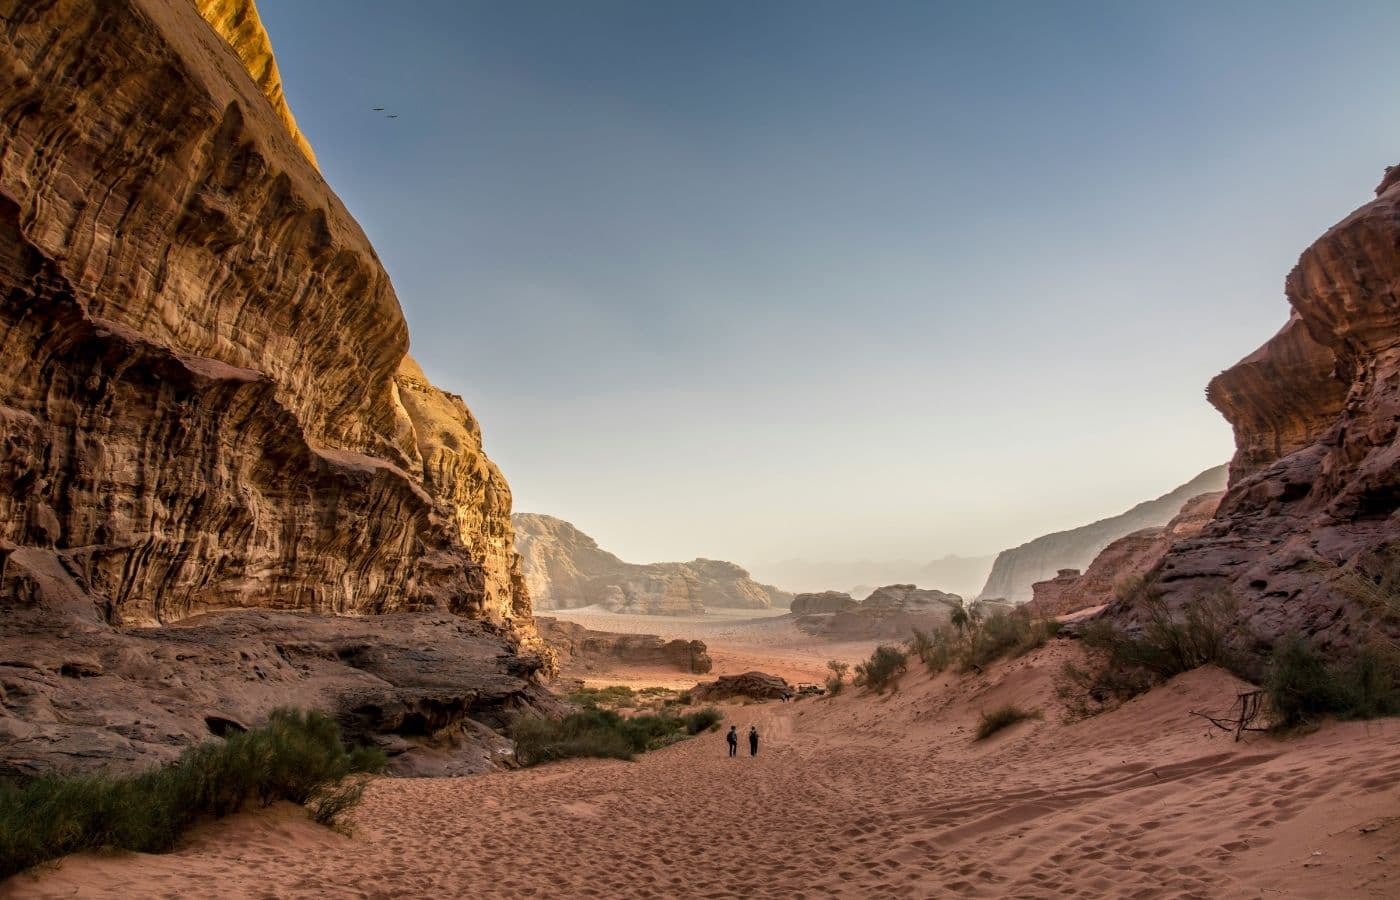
[[433, 690], [1314, 495], [891, 611], [204, 379], [580, 650], [1015, 570], [753, 685], [825, 602], [1131, 556], [565, 568]]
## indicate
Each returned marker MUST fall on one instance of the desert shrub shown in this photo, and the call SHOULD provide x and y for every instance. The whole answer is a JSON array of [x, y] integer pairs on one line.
[[1303, 686], [1201, 633], [611, 697], [685, 698], [297, 756], [603, 733], [1003, 717], [938, 648], [883, 668], [1004, 633], [837, 680], [706, 719]]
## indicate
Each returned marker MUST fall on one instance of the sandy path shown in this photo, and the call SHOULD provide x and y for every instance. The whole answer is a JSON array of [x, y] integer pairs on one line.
[[854, 797]]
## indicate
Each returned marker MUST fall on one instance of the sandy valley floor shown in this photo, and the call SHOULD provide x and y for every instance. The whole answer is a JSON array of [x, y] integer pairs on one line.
[[856, 796]]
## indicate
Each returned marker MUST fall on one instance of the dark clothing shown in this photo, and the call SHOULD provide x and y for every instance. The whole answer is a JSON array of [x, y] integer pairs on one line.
[[733, 744], [753, 743]]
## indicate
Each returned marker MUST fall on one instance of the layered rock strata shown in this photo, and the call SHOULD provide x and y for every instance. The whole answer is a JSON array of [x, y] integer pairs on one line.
[[1015, 570], [565, 569], [889, 612], [1307, 532]]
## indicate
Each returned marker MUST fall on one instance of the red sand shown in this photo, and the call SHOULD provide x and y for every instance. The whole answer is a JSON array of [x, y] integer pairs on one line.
[[858, 796]]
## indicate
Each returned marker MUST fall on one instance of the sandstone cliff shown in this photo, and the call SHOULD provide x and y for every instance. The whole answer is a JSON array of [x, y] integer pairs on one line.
[[205, 376], [207, 399], [1015, 570], [889, 612], [1312, 512], [1131, 556], [565, 568], [583, 650]]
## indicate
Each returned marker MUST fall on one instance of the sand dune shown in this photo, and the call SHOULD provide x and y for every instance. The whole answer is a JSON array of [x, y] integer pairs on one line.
[[856, 796]]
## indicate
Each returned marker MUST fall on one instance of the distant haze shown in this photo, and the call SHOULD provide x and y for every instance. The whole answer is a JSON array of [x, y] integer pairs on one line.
[[841, 281]]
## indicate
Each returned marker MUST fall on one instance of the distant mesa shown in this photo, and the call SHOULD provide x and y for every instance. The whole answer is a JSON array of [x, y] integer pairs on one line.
[[889, 612], [1017, 569], [566, 569], [582, 651]]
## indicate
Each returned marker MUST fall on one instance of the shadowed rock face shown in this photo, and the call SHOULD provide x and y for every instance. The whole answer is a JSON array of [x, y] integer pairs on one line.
[[207, 398], [889, 612], [1315, 482], [565, 568], [825, 602], [1015, 570], [1131, 556]]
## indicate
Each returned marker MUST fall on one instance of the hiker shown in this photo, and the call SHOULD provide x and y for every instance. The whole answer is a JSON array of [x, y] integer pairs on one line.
[[753, 740], [733, 738]]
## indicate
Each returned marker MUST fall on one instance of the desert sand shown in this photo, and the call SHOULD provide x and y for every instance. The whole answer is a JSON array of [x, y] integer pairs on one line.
[[738, 640], [855, 796]]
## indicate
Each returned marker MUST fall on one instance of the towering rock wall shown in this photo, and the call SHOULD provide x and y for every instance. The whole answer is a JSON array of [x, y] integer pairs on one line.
[[207, 398], [565, 568], [1313, 507], [1015, 570]]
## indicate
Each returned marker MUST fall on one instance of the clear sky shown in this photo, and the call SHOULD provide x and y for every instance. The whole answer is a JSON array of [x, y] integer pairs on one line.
[[758, 280]]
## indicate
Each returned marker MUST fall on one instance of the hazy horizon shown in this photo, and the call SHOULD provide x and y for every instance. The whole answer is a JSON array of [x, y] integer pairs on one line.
[[826, 281]]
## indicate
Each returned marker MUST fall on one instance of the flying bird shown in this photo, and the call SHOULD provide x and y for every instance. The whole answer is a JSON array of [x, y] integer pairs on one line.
[[391, 117], [378, 109]]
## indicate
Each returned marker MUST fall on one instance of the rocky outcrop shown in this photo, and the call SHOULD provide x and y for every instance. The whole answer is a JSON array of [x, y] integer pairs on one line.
[[1313, 506], [581, 650], [752, 685], [208, 407], [433, 690], [825, 602], [1015, 570], [889, 612], [208, 399], [1131, 556], [565, 568]]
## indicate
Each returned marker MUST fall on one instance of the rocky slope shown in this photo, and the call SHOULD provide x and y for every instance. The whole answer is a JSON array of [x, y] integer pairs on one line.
[[565, 568], [1131, 556], [207, 398], [1308, 527], [1015, 570]]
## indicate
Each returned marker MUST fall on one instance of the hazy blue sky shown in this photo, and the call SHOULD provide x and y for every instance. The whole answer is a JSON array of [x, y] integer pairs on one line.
[[836, 280]]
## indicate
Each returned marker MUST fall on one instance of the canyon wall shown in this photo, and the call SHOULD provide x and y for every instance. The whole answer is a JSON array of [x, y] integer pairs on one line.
[[565, 568], [205, 381], [1305, 537], [1015, 570]]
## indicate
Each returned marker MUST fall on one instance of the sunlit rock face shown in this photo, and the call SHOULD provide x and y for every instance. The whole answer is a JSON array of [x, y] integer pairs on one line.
[[204, 381], [1015, 570], [1311, 509], [565, 568]]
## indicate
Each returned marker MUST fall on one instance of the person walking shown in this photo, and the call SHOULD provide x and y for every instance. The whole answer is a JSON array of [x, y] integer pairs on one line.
[[733, 738], [753, 740]]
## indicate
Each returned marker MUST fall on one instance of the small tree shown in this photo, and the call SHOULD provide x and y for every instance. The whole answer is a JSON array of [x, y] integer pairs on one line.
[[883, 668], [837, 680]]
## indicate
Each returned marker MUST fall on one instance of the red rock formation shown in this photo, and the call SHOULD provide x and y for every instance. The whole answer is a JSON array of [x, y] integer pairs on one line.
[[754, 685], [1131, 556], [204, 367], [583, 649], [1315, 483], [825, 602]]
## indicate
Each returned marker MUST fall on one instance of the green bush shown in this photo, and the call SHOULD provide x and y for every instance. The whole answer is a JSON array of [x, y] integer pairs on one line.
[[1003, 717], [937, 649], [1203, 632], [603, 733], [1302, 686], [883, 668], [297, 756], [1005, 633], [837, 680], [612, 697]]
